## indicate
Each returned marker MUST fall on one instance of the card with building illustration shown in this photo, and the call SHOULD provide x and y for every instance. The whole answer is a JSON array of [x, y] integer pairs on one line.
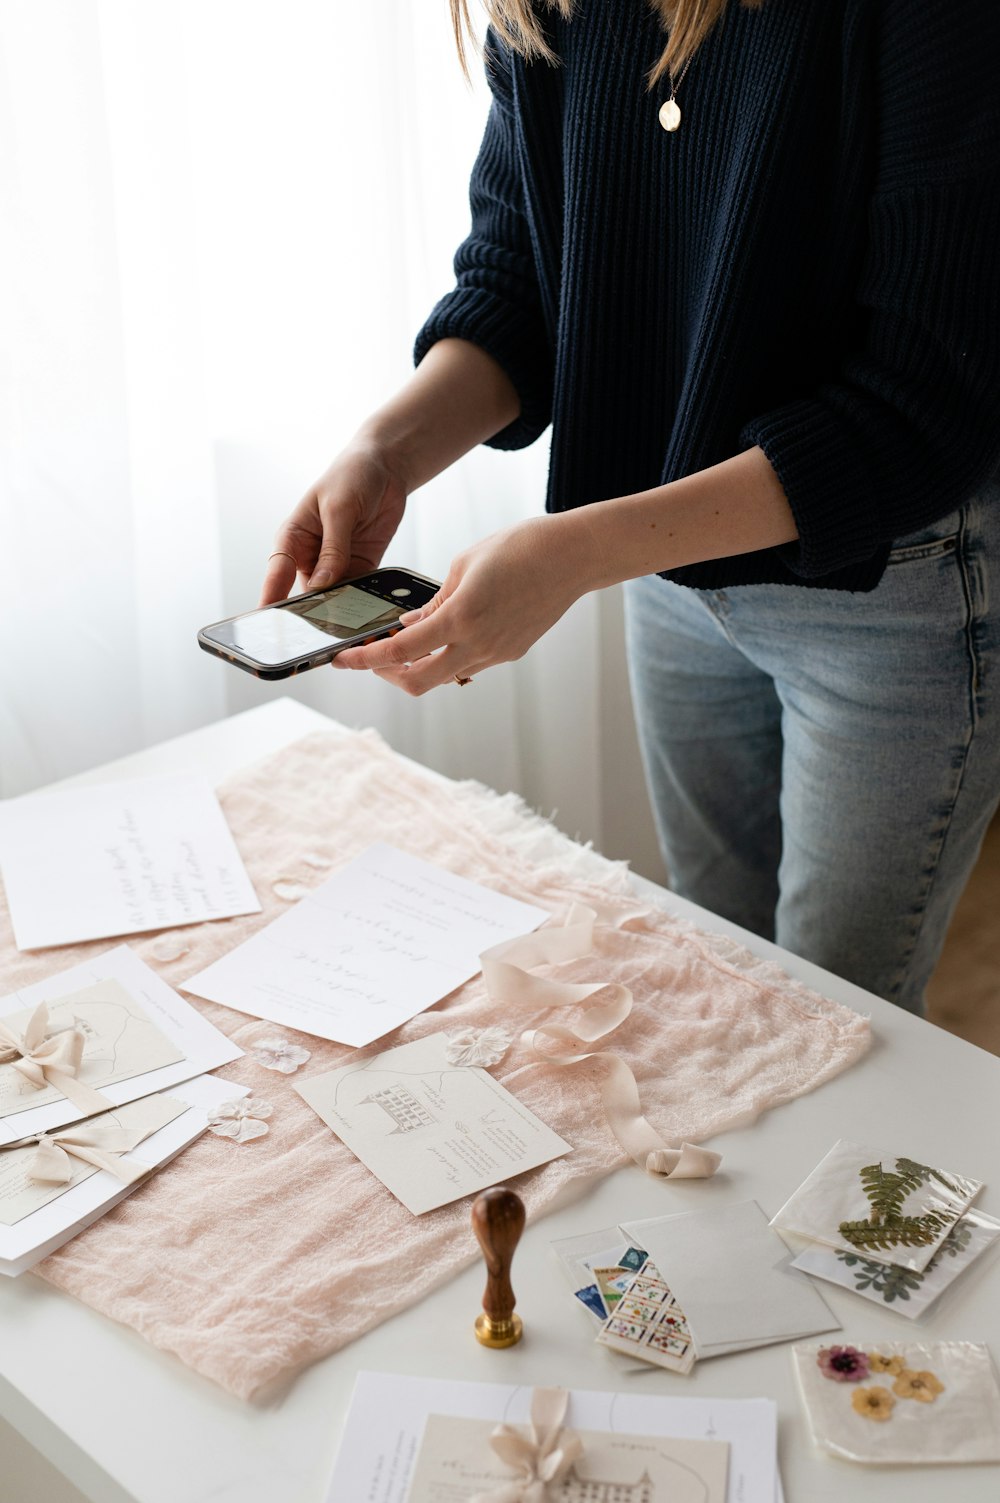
[[456, 1462], [886, 1206], [648, 1323], [140, 1037], [904, 1290], [432, 1132]]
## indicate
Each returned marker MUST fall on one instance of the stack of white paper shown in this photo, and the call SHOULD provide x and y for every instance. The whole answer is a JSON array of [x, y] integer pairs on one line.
[[389, 1414], [146, 1052]]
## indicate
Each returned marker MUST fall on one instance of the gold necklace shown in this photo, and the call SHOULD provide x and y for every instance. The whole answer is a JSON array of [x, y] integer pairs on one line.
[[670, 111]]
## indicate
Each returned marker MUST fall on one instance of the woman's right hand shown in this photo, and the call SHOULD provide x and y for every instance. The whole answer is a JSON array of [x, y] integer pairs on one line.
[[341, 527]]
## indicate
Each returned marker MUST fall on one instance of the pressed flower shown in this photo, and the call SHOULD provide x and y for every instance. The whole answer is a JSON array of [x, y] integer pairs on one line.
[[844, 1364], [279, 1054], [879, 1364], [873, 1403], [241, 1120], [924, 1387], [477, 1046]]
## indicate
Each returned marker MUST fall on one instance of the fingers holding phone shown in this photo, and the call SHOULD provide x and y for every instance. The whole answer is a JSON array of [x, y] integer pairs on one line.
[[341, 527]]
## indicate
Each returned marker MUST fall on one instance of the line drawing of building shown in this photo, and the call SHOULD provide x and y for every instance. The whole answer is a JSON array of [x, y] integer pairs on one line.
[[576, 1489], [400, 1104]]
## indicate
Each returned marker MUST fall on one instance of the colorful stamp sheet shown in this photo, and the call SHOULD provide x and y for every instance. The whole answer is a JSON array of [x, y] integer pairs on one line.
[[648, 1323]]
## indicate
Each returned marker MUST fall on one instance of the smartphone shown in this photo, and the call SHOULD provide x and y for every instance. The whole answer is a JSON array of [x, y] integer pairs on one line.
[[308, 630]]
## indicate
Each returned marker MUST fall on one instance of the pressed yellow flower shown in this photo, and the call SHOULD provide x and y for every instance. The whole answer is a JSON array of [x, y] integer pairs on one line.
[[879, 1364], [924, 1387], [873, 1403]]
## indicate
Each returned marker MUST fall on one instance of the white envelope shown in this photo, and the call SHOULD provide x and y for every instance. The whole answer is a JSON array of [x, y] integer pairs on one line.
[[730, 1275]]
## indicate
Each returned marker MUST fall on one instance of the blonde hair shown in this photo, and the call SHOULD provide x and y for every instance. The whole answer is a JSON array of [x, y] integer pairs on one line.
[[688, 23]]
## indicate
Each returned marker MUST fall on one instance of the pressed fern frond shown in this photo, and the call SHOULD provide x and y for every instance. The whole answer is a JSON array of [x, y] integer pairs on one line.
[[905, 1231]]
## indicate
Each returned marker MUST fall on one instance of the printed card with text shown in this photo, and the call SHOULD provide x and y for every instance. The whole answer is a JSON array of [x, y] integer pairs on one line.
[[432, 1132]]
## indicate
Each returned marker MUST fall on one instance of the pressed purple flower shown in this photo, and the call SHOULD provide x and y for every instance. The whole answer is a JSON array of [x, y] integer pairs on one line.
[[844, 1364]]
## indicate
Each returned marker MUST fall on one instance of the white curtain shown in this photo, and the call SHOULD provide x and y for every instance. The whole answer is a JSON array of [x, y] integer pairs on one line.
[[221, 223]]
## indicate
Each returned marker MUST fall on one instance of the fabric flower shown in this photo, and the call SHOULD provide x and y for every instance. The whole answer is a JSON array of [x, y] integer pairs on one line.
[[879, 1364], [477, 1046], [924, 1387], [844, 1364], [279, 1054], [240, 1120], [873, 1403]]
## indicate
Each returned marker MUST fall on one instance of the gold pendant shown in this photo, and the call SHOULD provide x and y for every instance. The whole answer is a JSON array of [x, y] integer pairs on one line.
[[670, 114]]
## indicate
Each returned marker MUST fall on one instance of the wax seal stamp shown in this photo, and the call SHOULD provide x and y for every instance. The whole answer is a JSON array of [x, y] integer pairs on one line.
[[498, 1221]]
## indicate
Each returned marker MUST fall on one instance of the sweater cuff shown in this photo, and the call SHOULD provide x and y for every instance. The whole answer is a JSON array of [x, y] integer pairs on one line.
[[818, 467], [514, 341]]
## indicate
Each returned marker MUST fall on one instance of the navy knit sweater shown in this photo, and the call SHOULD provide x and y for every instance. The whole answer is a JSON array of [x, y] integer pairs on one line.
[[808, 264]]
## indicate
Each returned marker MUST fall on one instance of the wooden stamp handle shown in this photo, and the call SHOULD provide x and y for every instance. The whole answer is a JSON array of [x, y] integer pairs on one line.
[[498, 1221]]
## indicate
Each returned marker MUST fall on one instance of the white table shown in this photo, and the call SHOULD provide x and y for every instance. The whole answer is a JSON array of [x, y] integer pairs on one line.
[[128, 1424]]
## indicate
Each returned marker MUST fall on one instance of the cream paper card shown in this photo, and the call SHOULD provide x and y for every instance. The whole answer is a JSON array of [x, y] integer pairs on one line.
[[39, 1233], [20, 1195], [126, 1057], [432, 1132], [381, 940], [119, 858], [728, 1272], [121, 1042], [388, 1412], [889, 1208], [455, 1462]]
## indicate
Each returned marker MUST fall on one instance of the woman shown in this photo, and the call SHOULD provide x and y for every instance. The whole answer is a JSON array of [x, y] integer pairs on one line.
[[740, 256]]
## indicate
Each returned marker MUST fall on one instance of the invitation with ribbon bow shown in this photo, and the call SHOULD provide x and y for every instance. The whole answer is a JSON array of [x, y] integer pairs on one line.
[[96, 1036], [472, 1461], [399, 1445], [51, 1190]]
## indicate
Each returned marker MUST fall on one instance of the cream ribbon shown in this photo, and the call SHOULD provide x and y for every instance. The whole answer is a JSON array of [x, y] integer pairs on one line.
[[543, 1459], [54, 1059], [100, 1146], [508, 980]]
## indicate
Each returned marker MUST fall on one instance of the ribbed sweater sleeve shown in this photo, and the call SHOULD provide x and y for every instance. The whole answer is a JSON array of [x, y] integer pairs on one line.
[[909, 426], [497, 303]]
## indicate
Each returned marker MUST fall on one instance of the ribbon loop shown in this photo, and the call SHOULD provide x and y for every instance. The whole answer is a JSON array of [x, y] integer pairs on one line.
[[99, 1146], [508, 981], [544, 1457], [46, 1056]]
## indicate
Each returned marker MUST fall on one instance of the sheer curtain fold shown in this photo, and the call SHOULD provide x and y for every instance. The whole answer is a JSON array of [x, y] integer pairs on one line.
[[223, 223]]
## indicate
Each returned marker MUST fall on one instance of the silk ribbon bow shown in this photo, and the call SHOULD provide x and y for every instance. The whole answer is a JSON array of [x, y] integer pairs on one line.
[[54, 1059], [100, 1146], [508, 981], [544, 1457]]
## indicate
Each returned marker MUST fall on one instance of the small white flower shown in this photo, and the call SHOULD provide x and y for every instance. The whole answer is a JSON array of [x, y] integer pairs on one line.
[[279, 1054], [240, 1119], [477, 1046]]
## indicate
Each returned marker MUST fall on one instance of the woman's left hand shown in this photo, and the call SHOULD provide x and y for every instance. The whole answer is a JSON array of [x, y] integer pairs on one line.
[[498, 598]]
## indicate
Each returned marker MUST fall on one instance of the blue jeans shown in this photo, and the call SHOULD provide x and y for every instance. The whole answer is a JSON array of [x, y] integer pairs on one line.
[[823, 766]]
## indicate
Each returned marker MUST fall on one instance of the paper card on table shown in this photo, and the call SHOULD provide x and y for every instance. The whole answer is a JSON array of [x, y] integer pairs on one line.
[[904, 1290], [455, 1461], [431, 1132], [381, 940], [728, 1272], [648, 1323], [916, 1403], [91, 1196], [890, 1208], [21, 1194], [121, 1041], [388, 1413], [122, 1058], [119, 858]]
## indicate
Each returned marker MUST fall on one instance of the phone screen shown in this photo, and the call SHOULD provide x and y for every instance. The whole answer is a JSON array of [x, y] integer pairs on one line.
[[299, 627]]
